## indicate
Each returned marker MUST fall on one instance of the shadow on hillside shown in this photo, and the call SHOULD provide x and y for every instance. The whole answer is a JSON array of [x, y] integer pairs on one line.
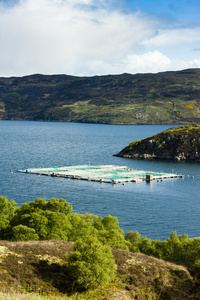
[[55, 276]]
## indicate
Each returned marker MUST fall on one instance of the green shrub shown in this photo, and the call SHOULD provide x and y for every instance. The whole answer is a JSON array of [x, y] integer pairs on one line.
[[24, 233], [91, 264]]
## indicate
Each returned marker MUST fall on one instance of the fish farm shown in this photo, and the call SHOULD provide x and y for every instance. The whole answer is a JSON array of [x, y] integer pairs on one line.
[[102, 173]]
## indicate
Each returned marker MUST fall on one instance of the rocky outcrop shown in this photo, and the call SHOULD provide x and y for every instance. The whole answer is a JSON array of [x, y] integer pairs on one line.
[[177, 143]]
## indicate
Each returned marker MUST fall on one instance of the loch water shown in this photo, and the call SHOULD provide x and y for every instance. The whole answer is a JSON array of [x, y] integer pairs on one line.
[[155, 210]]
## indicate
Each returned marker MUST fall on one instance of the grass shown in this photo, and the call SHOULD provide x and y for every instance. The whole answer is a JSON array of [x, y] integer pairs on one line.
[[126, 114], [30, 296], [192, 130], [152, 112]]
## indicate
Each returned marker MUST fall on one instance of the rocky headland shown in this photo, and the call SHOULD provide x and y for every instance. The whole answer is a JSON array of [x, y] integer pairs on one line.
[[177, 143]]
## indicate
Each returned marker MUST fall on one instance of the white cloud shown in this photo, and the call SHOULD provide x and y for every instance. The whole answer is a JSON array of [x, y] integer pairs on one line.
[[173, 36], [83, 37], [148, 62]]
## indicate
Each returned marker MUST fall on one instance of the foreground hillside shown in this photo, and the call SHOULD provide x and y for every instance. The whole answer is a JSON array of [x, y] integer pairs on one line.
[[42, 267], [47, 249], [177, 143], [163, 98]]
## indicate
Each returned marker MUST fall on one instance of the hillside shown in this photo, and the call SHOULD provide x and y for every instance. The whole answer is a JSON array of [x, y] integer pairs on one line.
[[47, 249], [162, 98], [177, 143], [42, 267]]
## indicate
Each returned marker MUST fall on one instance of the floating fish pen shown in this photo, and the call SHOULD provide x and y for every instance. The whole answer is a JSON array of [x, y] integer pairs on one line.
[[103, 173]]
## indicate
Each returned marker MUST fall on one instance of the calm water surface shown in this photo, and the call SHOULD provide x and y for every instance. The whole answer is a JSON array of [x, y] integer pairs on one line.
[[155, 210]]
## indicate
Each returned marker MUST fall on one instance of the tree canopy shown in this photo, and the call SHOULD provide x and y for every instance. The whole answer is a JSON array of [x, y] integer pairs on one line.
[[55, 219], [91, 263]]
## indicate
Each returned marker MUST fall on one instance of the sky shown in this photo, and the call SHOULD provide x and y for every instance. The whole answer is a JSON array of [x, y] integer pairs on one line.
[[98, 37]]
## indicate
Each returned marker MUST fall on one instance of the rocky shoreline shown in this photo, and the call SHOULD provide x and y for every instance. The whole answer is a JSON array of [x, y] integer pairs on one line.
[[177, 143]]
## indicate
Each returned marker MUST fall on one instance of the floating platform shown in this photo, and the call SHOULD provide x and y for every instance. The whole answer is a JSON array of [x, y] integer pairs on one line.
[[102, 173]]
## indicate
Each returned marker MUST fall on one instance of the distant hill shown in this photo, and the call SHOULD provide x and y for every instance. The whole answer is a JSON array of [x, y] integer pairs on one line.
[[177, 143], [163, 98]]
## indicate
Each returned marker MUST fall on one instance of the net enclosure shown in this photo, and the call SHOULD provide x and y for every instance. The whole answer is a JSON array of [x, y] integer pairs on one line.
[[101, 173]]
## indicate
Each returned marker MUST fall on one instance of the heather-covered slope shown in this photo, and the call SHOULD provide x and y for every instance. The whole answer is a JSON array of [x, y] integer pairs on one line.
[[163, 98], [48, 249], [43, 267], [179, 143]]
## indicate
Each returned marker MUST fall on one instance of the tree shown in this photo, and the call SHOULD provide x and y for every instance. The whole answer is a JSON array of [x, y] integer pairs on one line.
[[113, 238], [24, 233], [134, 238], [7, 212], [111, 223], [109, 232], [174, 248], [81, 227], [146, 246], [91, 264], [59, 225], [59, 205], [49, 219], [38, 221]]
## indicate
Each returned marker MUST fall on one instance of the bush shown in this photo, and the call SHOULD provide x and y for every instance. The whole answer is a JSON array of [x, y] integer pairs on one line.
[[24, 233], [91, 264]]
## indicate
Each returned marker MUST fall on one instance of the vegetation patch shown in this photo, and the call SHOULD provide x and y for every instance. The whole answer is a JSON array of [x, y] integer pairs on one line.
[[91, 258], [137, 275]]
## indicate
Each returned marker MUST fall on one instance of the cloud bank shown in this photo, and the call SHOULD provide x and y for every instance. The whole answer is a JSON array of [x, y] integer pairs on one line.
[[85, 37]]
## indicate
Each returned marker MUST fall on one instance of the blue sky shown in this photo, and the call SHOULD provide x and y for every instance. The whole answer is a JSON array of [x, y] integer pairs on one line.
[[182, 10], [97, 37]]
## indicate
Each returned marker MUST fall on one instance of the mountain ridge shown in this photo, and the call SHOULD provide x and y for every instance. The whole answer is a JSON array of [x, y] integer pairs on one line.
[[171, 97]]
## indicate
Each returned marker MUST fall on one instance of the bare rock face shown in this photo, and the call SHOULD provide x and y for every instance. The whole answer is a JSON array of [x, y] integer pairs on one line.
[[177, 143]]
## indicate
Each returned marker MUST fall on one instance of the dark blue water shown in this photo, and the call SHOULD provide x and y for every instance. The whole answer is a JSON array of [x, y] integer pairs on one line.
[[155, 210]]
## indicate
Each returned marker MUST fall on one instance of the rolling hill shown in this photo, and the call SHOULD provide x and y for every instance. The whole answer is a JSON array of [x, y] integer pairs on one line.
[[162, 98]]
